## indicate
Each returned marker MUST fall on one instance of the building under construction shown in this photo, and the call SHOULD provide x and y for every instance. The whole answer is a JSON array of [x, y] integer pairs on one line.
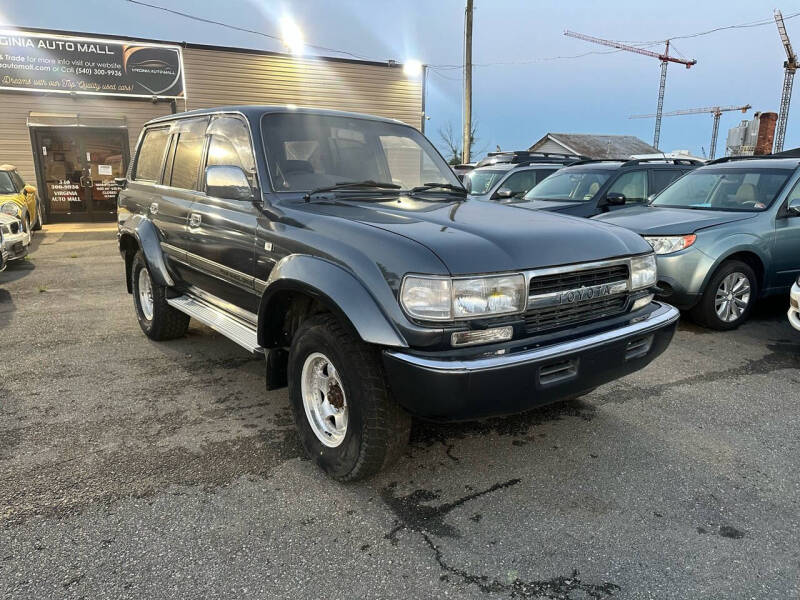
[[752, 137]]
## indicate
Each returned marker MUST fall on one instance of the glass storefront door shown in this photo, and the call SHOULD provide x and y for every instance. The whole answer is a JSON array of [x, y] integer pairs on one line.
[[78, 166]]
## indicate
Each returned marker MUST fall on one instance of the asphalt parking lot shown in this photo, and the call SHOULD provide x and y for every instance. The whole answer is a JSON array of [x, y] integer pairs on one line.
[[135, 469]]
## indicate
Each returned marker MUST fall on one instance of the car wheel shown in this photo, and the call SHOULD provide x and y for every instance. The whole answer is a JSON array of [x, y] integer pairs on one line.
[[728, 298], [158, 320], [347, 420]]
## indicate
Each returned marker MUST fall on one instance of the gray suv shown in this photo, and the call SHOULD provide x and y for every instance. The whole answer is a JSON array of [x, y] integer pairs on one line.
[[724, 235], [509, 175]]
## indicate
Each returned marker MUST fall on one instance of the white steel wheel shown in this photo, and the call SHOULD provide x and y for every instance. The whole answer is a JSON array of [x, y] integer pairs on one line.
[[732, 297], [324, 399], [146, 294]]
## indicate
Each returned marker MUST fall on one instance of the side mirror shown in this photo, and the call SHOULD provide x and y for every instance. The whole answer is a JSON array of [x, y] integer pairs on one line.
[[29, 189], [615, 199], [504, 194], [228, 182], [122, 182], [793, 208]]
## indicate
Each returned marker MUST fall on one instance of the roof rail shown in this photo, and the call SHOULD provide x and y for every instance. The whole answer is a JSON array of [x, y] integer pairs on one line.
[[527, 157], [665, 159], [725, 159], [587, 161]]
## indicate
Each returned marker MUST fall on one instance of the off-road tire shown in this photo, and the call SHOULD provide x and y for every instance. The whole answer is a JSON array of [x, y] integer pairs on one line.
[[704, 312], [378, 428], [167, 323]]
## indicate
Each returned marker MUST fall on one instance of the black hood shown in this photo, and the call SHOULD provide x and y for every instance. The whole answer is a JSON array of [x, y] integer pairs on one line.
[[482, 237], [657, 220]]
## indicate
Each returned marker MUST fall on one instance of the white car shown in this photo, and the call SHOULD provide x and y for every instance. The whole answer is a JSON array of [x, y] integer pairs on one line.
[[794, 305], [16, 237]]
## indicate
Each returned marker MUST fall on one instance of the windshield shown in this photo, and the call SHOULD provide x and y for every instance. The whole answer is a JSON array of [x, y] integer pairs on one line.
[[569, 186], [311, 151], [6, 185], [480, 182], [725, 189]]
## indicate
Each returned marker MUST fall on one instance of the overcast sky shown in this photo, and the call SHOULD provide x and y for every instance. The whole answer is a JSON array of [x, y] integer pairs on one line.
[[514, 104]]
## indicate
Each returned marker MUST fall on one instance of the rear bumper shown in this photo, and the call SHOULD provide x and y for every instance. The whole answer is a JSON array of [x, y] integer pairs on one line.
[[520, 379]]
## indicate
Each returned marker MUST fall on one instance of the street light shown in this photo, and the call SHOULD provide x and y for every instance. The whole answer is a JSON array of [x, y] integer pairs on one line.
[[412, 68], [292, 36]]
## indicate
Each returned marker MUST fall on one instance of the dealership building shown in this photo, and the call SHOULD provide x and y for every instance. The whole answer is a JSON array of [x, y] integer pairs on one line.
[[73, 104]]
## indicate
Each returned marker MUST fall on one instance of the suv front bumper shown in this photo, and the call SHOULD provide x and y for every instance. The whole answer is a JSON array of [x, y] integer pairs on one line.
[[520, 379]]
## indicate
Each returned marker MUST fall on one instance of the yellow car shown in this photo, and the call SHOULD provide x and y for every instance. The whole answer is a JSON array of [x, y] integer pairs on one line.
[[18, 199]]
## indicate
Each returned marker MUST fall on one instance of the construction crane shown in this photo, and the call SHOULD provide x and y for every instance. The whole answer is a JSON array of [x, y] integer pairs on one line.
[[789, 67], [716, 111], [665, 59]]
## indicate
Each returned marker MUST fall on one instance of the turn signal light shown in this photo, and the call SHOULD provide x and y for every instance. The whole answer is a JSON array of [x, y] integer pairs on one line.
[[481, 336]]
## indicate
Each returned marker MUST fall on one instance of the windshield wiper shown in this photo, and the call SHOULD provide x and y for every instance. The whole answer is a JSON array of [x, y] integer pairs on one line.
[[444, 186], [366, 184]]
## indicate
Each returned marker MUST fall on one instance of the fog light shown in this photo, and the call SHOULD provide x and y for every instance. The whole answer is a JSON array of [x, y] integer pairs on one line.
[[482, 336], [642, 302]]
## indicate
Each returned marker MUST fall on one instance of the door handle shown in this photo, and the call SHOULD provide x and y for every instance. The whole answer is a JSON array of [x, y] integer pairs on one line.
[[154, 208], [194, 220]]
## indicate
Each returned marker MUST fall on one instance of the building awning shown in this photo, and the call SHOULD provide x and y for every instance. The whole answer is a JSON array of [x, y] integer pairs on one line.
[[47, 119]]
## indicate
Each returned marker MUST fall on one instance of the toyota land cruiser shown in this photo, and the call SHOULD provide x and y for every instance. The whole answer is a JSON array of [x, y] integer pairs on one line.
[[343, 248]]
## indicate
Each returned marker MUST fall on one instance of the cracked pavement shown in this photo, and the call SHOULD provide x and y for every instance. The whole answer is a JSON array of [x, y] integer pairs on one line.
[[135, 469]]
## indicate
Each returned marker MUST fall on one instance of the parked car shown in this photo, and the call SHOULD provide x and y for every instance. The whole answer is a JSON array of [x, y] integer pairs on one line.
[[592, 187], [373, 286], [724, 235], [18, 199], [16, 239], [794, 305], [506, 175], [462, 169]]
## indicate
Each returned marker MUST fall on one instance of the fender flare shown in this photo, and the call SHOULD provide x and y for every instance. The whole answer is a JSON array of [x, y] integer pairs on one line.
[[744, 245], [335, 288], [146, 235]]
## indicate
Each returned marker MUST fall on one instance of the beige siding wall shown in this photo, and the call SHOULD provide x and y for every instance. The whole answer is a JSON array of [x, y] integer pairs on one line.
[[216, 78], [549, 146], [15, 143]]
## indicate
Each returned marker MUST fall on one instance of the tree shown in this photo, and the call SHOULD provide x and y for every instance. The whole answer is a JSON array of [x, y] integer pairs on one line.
[[451, 143]]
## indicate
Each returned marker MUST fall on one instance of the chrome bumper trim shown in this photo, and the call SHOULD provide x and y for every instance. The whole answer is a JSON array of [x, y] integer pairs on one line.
[[663, 316]]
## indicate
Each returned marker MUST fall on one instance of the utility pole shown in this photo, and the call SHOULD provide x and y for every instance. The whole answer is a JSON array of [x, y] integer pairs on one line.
[[467, 133]]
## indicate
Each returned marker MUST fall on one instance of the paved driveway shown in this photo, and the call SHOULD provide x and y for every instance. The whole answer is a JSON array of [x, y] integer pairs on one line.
[[135, 469]]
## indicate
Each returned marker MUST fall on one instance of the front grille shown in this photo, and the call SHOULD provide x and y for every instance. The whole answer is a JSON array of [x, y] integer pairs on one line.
[[560, 282], [554, 315]]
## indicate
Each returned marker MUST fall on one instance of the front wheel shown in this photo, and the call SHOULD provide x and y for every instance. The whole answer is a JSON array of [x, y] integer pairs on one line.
[[158, 320], [346, 418], [728, 298]]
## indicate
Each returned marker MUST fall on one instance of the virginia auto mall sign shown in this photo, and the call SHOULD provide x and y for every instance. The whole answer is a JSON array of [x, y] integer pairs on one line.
[[45, 62]]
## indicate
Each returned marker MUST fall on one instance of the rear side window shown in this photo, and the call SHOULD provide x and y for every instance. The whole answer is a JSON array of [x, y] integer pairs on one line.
[[188, 154], [662, 178], [230, 145], [151, 154]]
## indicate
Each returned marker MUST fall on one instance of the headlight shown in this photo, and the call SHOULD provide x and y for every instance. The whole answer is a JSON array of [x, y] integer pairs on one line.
[[11, 208], [667, 244], [427, 297], [643, 271], [442, 298]]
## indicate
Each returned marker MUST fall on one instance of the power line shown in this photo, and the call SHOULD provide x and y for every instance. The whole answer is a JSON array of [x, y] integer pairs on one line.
[[237, 28]]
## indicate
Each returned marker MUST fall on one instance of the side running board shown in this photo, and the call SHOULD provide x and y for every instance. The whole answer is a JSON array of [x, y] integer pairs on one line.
[[231, 327]]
